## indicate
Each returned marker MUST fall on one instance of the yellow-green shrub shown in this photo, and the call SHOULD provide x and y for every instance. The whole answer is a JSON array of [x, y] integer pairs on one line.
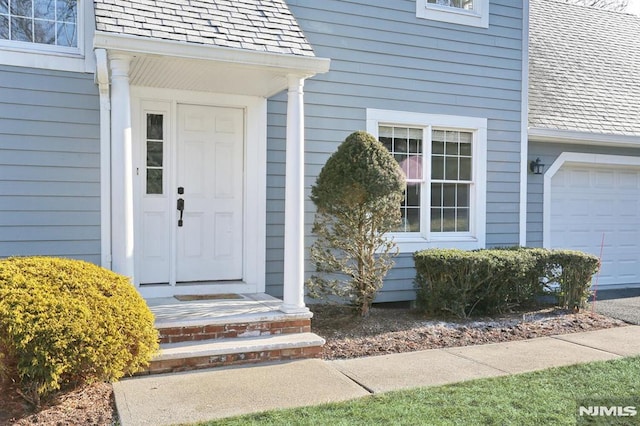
[[66, 322]]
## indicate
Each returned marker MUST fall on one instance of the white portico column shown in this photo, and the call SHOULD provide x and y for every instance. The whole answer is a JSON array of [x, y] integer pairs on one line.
[[294, 201], [121, 167]]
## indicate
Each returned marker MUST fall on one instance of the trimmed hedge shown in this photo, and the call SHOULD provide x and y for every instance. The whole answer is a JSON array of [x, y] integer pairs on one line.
[[65, 322], [496, 280]]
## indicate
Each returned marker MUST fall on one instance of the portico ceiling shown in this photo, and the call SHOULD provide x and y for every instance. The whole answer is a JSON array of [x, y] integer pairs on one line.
[[185, 66]]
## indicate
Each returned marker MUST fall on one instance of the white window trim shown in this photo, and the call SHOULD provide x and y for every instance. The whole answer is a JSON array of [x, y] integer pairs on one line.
[[60, 58], [478, 17], [476, 237]]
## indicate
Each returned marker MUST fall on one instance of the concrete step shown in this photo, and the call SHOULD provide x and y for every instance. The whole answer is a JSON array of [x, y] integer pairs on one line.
[[192, 355]]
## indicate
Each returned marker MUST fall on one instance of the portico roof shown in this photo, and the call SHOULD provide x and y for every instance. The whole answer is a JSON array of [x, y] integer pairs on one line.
[[258, 25], [246, 47]]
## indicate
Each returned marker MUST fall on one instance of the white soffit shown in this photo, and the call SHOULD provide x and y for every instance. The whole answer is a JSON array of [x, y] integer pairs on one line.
[[188, 66]]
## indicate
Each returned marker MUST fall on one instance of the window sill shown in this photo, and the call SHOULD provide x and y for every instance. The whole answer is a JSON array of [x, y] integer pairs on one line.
[[43, 57], [411, 244]]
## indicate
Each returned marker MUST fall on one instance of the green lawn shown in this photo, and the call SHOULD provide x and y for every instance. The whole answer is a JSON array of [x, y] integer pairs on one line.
[[548, 397]]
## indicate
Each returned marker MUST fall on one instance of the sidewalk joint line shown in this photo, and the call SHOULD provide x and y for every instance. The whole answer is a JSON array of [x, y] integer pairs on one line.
[[559, 337], [474, 360], [362, 385]]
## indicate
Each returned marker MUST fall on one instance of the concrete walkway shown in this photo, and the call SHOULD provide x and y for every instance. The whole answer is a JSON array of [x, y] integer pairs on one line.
[[213, 394]]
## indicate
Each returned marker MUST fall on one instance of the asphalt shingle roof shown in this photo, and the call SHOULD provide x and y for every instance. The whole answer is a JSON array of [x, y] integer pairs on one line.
[[260, 25], [584, 69]]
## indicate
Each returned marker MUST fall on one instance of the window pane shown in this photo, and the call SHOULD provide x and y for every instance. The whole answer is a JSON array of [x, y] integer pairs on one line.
[[154, 154], [4, 6], [154, 126], [437, 147], [387, 142], [44, 32], [451, 148], [412, 195], [154, 181], [21, 29], [436, 194], [415, 146], [449, 194], [448, 220], [451, 168], [67, 35], [400, 145], [412, 220], [4, 27], [67, 11], [21, 8], [412, 166], [462, 220], [437, 167], [465, 168], [462, 197], [44, 9], [465, 149], [436, 220]]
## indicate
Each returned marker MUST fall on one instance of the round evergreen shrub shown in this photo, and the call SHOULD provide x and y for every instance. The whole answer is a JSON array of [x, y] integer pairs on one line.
[[66, 322]]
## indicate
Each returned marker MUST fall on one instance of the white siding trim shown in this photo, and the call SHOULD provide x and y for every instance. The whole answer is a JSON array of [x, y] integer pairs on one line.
[[524, 120], [304, 65], [537, 134], [478, 221], [575, 158], [102, 78]]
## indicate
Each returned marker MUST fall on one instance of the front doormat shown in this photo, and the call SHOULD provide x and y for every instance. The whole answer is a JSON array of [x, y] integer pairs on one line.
[[192, 297]]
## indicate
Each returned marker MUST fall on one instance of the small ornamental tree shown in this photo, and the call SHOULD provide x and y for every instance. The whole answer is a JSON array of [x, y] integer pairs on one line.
[[357, 195]]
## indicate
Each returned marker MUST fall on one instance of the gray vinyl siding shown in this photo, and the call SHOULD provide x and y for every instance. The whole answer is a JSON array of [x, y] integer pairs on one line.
[[548, 153], [49, 164], [384, 57]]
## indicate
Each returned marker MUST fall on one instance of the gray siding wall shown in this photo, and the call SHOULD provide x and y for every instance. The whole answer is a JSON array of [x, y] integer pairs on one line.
[[548, 153], [384, 57], [49, 164]]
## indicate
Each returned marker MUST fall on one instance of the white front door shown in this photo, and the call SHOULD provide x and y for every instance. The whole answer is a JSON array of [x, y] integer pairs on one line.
[[209, 173], [193, 159]]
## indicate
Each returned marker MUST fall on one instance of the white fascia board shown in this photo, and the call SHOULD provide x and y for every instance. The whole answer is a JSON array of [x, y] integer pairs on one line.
[[537, 134], [304, 66]]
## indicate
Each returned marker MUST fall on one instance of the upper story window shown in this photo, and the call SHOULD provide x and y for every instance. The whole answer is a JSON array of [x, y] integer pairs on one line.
[[474, 13], [47, 34], [462, 4], [444, 161], [47, 22]]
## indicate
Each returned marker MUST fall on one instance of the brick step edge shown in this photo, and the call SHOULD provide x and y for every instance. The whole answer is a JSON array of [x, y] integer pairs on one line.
[[192, 333], [225, 352]]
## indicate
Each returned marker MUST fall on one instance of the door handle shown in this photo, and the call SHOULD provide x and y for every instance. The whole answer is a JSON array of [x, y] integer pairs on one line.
[[181, 210]]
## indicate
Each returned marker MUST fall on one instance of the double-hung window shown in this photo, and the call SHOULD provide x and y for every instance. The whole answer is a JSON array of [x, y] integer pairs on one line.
[[474, 13], [46, 22], [46, 34], [444, 162]]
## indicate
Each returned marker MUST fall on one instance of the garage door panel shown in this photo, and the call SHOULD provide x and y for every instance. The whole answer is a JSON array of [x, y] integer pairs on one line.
[[588, 203]]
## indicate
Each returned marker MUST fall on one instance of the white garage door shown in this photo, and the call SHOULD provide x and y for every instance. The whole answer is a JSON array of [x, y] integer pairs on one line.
[[590, 202]]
